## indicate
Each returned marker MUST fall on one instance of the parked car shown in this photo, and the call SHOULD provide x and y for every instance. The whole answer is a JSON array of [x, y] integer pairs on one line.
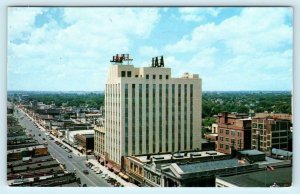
[[70, 156], [85, 171]]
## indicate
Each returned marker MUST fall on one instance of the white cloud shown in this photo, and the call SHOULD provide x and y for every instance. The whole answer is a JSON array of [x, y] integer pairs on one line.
[[241, 50], [69, 53], [21, 21], [148, 51], [257, 29], [198, 14]]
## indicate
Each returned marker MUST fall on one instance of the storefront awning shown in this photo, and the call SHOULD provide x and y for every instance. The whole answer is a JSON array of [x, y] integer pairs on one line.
[[123, 176], [109, 165], [116, 170]]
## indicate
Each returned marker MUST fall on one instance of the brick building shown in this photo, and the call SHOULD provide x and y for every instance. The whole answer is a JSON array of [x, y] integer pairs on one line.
[[271, 131], [234, 131]]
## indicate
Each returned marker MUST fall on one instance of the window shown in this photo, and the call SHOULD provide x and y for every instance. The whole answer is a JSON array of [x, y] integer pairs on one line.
[[128, 73], [160, 76], [147, 76], [227, 132], [131, 165], [227, 139], [232, 141], [221, 145], [221, 130], [227, 147], [123, 73], [232, 132], [167, 76], [239, 134], [153, 76], [221, 138]]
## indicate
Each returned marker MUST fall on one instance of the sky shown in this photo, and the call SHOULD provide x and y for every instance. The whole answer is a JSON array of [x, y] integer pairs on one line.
[[69, 48]]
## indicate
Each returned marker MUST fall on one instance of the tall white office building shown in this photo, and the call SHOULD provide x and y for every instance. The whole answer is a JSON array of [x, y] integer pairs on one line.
[[148, 111]]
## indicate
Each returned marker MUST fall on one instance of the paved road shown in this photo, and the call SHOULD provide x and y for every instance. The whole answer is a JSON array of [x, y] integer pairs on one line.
[[76, 162]]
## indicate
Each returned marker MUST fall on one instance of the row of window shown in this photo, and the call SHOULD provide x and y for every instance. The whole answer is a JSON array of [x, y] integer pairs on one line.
[[232, 132], [154, 76], [129, 74], [160, 119]]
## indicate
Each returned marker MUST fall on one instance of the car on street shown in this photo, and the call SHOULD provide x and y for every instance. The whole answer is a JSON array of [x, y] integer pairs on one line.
[[70, 156], [39, 134], [85, 171]]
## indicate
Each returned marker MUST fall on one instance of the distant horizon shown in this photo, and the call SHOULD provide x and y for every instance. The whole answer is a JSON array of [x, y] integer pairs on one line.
[[102, 91]]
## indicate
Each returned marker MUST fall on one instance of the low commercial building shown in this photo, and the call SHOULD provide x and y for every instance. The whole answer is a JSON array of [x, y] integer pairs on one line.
[[85, 141], [30, 164], [201, 174], [99, 143], [267, 177], [33, 151], [146, 169]]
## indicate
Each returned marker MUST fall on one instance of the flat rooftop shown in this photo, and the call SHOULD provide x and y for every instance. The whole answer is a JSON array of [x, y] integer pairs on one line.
[[212, 165], [282, 176], [161, 157]]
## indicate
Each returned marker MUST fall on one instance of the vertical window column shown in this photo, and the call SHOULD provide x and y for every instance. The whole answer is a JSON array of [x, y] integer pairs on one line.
[[179, 116], [173, 117], [185, 117], [154, 118], [191, 116], [147, 118], [160, 117], [126, 120], [140, 118], [167, 117], [133, 119]]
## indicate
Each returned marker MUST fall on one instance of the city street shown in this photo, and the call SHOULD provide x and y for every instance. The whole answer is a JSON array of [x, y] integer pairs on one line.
[[75, 163]]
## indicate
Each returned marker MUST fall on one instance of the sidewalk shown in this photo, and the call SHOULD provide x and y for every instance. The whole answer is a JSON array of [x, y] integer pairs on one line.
[[92, 160], [76, 152], [111, 174]]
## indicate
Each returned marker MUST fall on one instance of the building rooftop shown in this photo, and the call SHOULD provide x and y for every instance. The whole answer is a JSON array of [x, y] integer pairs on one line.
[[282, 152], [88, 131], [282, 176], [25, 149], [251, 152], [212, 165], [168, 156]]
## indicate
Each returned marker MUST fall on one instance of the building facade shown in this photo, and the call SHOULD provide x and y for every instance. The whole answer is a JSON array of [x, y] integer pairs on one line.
[[99, 143], [148, 111], [234, 132], [270, 132]]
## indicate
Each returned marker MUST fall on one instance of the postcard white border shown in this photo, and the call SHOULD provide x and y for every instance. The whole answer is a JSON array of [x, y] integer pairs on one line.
[[3, 89]]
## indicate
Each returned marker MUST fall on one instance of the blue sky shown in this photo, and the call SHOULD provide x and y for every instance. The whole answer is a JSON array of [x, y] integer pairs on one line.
[[69, 49]]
